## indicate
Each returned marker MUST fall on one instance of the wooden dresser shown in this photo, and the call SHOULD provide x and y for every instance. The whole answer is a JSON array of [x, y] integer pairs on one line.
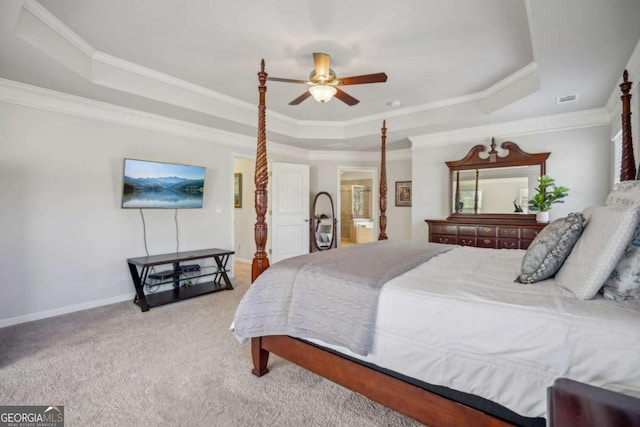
[[511, 235]]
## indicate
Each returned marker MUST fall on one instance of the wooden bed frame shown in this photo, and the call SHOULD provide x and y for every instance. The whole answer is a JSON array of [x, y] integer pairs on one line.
[[411, 400]]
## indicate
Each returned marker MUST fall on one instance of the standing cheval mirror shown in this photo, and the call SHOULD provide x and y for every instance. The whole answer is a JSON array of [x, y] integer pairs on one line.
[[323, 223]]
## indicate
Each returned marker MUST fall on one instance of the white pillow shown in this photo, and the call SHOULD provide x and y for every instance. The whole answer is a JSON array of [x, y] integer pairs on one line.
[[597, 251], [625, 194], [586, 213]]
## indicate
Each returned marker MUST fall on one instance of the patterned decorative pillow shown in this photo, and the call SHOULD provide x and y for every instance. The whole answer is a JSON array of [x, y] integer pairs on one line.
[[597, 252], [625, 194], [550, 248], [624, 281]]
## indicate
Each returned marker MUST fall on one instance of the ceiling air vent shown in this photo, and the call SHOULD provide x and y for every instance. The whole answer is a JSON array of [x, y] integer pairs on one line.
[[567, 99]]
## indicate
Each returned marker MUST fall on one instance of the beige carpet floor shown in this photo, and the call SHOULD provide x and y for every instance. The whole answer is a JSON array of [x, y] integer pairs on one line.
[[176, 365]]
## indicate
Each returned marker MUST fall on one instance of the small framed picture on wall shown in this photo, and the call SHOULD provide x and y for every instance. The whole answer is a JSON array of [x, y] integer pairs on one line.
[[237, 190], [403, 193]]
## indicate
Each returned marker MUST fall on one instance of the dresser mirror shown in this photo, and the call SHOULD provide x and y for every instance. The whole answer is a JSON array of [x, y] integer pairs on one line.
[[323, 223], [492, 185]]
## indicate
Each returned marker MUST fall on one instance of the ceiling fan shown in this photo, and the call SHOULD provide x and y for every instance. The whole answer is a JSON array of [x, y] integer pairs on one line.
[[324, 82]]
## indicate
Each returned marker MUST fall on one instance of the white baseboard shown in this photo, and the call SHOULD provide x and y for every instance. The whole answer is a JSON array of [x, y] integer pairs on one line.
[[77, 307], [64, 310]]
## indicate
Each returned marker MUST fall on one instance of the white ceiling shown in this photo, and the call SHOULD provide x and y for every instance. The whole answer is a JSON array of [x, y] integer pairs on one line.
[[450, 63]]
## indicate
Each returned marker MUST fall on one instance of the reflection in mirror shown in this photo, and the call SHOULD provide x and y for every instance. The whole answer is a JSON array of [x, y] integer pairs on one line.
[[323, 223], [357, 209], [499, 190]]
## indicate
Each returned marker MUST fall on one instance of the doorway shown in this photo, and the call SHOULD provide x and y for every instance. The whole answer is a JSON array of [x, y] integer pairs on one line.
[[357, 205]]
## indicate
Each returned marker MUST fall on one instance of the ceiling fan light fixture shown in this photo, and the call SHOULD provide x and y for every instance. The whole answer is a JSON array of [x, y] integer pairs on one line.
[[322, 93], [323, 82]]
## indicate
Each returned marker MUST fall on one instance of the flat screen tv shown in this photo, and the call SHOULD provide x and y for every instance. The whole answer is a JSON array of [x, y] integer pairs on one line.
[[159, 185]]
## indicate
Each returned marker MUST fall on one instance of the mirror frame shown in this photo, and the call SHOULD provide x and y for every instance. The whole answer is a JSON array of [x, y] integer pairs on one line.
[[313, 223], [473, 161]]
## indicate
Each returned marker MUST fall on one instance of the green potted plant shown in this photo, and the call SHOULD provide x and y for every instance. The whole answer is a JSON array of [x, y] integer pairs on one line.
[[547, 193]]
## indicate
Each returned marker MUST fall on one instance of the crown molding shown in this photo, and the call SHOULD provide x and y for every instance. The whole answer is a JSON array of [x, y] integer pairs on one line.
[[344, 156], [359, 156], [38, 11], [17, 93], [287, 151], [38, 27], [35, 97], [554, 123], [52, 37], [101, 57], [31, 96]]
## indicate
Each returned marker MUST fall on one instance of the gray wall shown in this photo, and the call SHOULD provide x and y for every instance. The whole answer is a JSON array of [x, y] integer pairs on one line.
[[65, 238]]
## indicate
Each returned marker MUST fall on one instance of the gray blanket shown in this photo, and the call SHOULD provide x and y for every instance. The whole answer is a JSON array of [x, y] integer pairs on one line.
[[331, 296]]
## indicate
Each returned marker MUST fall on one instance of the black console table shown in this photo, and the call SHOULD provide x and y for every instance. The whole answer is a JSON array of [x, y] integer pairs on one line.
[[178, 273]]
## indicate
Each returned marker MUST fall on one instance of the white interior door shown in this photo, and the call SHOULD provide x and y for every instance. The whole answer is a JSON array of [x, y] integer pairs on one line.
[[289, 210]]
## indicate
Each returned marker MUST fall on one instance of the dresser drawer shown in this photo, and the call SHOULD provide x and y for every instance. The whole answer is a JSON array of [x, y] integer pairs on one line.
[[491, 234], [530, 233], [510, 232], [438, 238], [509, 244], [466, 230], [444, 229], [466, 241], [487, 242], [485, 231]]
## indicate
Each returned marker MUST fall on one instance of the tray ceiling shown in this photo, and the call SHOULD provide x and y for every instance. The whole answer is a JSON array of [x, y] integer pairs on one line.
[[452, 64]]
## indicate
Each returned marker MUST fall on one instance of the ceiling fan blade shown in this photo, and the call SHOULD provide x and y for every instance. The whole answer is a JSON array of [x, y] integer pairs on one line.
[[346, 98], [322, 63], [279, 79], [368, 78], [301, 98]]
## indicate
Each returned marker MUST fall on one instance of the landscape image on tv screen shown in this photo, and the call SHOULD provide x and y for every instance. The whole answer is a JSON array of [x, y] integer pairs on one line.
[[162, 185]]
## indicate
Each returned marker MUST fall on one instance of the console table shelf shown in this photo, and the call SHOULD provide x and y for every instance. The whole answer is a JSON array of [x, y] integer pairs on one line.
[[220, 281]]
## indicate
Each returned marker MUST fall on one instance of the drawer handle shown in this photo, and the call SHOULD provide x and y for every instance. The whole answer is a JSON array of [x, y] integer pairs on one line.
[[443, 240], [486, 229], [487, 241], [509, 245], [466, 242]]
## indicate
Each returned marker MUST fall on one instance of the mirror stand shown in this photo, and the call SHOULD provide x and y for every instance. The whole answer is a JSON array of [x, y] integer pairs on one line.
[[323, 223]]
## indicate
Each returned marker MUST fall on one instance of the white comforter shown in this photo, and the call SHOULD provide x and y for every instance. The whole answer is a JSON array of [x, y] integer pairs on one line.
[[460, 321]]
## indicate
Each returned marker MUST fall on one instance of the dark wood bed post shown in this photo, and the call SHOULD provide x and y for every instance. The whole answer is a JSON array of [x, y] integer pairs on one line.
[[424, 406], [628, 167], [383, 183], [260, 261], [261, 177]]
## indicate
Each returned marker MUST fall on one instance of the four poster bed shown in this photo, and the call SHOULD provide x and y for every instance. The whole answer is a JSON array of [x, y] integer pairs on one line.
[[487, 349]]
